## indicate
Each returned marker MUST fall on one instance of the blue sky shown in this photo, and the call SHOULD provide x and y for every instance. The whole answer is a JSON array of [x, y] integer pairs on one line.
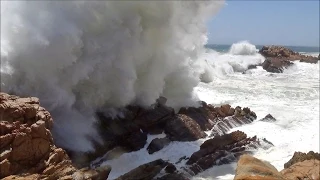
[[267, 22]]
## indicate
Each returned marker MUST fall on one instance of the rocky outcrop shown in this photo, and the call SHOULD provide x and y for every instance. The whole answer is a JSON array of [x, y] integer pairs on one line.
[[300, 156], [278, 58], [27, 150], [158, 170], [268, 118], [146, 171], [221, 150], [250, 168], [280, 52], [276, 65], [308, 169], [157, 144], [130, 130], [302, 166]]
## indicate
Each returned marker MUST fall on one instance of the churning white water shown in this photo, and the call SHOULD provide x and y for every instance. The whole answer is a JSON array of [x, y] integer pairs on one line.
[[291, 97], [77, 56]]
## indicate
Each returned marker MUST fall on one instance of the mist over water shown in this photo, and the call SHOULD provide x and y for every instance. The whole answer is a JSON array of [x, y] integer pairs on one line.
[[79, 56]]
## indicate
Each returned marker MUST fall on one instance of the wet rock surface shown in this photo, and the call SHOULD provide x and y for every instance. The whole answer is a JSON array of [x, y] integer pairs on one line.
[[300, 156], [251, 168], [278, 58], [268, 118], [27, 149], [221, 150]]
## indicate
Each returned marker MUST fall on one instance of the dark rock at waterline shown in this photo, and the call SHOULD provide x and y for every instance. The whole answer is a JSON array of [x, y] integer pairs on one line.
[[145, 172], [221, 150], [183, 128], [170, 168], [253, 66], [275, 65], [278, 58], [157, 144], [300, 156], [312, 61], [268, 118], [283, 53], [130, 130]]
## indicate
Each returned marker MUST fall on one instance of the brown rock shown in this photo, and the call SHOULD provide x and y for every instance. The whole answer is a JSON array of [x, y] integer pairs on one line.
[[183, 128], [145, 172], [299, 157], [157, 144], [250, 168], [221, 150], [279, 57], [308, 169], [27, 149], [268, 118]]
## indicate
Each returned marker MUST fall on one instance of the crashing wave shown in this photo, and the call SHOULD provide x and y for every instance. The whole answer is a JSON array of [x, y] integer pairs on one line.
[[79, 56]]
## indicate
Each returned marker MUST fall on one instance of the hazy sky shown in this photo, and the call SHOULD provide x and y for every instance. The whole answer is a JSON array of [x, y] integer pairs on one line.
[[267, 22]]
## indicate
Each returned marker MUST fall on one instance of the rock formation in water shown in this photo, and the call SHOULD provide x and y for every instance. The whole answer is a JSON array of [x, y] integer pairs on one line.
[[301, 166], [129, 132], [27, 150], [278, 58]]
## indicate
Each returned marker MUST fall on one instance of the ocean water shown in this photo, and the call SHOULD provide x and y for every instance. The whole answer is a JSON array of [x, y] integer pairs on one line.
[[291, 97], [80, 56]]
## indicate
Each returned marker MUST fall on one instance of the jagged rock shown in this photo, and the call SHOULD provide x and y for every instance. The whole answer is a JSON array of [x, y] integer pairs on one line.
[[250, 168], [300, 156], [308, 169], [221, 150], [27, 149], [280, 52], [276, 65], [268, 118], [157, 144], [145, 172], [170, 168], [278, 58], [183, 128]]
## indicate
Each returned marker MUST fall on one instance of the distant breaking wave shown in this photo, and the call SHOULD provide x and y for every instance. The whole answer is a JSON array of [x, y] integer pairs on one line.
[[79, 56]]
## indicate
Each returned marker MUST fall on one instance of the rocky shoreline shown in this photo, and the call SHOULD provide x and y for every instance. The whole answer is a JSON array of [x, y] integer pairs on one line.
[[279, 58], [28, 150]]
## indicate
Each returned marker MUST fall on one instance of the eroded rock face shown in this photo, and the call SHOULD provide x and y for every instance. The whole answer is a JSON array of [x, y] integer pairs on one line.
[[300, 156], [251, 168], [221, 150], [146, 171], [280, 52], [308, 169], [27, 145], [276, 65], [278, 58]]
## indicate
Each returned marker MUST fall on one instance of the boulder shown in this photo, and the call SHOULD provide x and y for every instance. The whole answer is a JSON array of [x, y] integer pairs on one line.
[[300, 156], [275, 65], [278, 58], [157, 144], [221, 150], [283, 53], [145, 172], [27, 149], [183, 128], [251, 168], [308, 169], [268, 118]]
